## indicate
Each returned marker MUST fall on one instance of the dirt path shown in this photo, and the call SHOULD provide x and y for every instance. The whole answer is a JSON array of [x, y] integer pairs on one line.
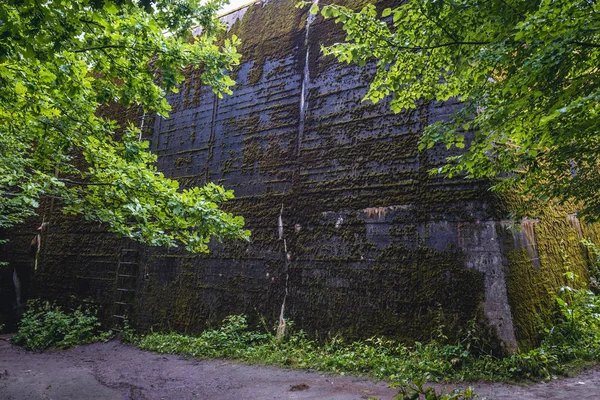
[[116, 371]]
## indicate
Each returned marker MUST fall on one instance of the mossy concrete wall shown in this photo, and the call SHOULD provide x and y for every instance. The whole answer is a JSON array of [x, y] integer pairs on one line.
[[542, 255], [375, 245], [372, 243]]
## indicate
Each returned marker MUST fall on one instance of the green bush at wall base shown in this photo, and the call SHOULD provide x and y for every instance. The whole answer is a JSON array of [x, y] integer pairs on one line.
[[45, 325]]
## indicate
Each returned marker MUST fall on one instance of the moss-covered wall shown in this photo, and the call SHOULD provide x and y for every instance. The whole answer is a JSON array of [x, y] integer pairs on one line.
[[372, 239], [539, 252], [76, 261], [375, 245]]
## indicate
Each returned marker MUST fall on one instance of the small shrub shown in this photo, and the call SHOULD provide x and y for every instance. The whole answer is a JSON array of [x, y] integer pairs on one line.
[[576, 333], [46, 325], [129, 335], [594, 266], [416, 390], [533, 364]]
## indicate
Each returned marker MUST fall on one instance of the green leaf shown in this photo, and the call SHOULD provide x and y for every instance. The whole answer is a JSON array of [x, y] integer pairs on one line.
[[111, 8], [20, 88]]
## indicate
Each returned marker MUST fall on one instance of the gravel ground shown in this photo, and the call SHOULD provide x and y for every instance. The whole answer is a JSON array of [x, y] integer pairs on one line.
[[116, 371]]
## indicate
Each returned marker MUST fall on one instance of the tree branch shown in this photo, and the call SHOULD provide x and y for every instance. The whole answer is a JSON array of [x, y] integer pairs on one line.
[[108, 46], [66, 180], [584, 44]]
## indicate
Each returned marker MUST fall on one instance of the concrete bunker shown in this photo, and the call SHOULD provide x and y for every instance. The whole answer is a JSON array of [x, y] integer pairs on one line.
[[374, 245]]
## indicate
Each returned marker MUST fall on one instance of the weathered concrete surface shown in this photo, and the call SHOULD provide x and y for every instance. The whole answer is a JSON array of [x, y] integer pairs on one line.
[[376, 245], [360, 211]]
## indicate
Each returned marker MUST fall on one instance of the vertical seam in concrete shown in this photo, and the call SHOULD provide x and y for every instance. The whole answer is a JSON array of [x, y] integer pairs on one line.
[[211, 140], [305, 82]]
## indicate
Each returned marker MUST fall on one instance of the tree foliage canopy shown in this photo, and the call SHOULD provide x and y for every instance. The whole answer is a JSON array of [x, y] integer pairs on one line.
[[527, 72], [59, 62]]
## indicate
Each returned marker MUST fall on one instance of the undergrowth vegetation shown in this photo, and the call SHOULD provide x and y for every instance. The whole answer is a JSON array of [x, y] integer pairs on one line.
[[45, 325], [573, 339], [417, 390], [571, 342]]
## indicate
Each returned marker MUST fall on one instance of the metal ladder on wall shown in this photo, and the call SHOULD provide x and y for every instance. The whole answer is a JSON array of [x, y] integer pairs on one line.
[[125, 283]]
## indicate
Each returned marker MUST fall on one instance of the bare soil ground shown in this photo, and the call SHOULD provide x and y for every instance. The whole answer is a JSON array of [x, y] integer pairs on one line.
[[116, 371]]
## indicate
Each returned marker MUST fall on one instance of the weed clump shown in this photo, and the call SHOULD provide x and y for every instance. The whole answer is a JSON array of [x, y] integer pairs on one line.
[[45, 325], [231, 340]]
